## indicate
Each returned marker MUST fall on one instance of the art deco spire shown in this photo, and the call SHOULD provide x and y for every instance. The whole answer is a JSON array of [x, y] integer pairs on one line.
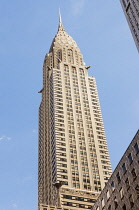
[[62, 38], [60, 18], [60, 27]]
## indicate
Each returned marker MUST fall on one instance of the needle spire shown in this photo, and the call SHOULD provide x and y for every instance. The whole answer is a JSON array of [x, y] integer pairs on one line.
[[60, 22], [60, 18]]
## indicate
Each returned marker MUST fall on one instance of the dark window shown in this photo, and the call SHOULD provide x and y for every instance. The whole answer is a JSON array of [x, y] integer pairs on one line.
[[91, 200], [64, 177], [136, 148], [118, 177], [127, 183], [124, 3], [124, 167], [130, 158], [81, 206], [67, 196], [112, 185], [63, 170], [63, 159], [134, 174], [65, 183], [64, 165], [69, 204], [137, 191], [124, 207], [95, 182], [109, 208], [131, 201], [96, 188], [79, 198], [115, 203]]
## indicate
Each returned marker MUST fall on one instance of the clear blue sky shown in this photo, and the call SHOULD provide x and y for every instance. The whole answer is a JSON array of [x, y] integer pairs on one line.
[[27, 29]]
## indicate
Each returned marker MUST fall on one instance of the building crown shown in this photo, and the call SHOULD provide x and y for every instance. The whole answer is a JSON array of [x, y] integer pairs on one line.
[[62, 39]]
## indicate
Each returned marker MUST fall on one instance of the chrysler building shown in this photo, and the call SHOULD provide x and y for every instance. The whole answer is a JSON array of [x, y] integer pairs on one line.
[[74, 163]]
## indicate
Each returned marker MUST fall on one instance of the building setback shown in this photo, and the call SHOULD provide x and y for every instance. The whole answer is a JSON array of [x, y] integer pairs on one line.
[[122, 190], [131, 10], [74, 163]]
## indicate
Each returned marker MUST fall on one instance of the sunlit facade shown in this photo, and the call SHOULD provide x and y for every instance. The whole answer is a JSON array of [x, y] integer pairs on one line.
[[74, 162]]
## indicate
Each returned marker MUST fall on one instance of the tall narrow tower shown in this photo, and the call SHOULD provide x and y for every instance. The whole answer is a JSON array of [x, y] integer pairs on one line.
[[74, 162], [131, 10]]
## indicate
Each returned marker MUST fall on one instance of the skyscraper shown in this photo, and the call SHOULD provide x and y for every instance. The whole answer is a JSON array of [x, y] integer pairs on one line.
[[74, 162], [131, 10], [122, 190]]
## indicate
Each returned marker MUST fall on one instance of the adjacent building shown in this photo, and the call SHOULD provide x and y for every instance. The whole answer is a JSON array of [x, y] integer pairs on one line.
[[74, 163], [131, 10], [122, 190]]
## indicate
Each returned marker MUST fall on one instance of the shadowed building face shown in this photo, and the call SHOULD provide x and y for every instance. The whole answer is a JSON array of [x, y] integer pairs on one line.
[[131, 10]]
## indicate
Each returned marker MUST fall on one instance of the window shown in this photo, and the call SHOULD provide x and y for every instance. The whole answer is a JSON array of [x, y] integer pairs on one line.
[[67, 196], [137, 191], [112, 185], [124, 3], [69, 204], [102, 202], [115, 203], [121, 193], [63, 171], [130, 158], [136, 148], [124, 207], [63, 165], [106, 178], [64, 177], [118, 177], [131, 201], [70, 56], [127, 183], [108, 194], [124, 167], [133, 174], [65, 183]]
